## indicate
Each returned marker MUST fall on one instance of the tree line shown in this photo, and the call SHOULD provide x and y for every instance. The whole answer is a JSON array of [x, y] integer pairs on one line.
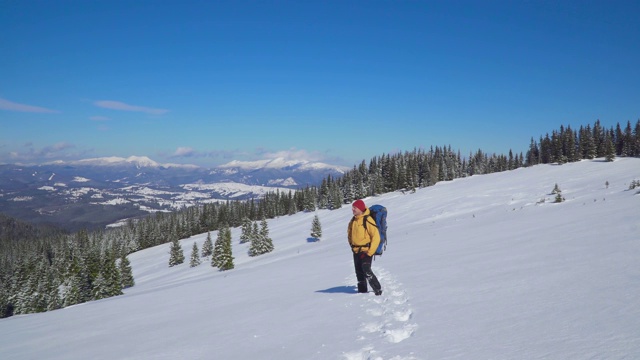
[[46, 270]]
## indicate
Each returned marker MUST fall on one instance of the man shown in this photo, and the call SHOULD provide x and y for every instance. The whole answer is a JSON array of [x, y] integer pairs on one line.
[[363, 241]]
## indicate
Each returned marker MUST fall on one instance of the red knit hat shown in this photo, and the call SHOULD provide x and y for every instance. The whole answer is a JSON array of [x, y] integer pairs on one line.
[[360, 205]]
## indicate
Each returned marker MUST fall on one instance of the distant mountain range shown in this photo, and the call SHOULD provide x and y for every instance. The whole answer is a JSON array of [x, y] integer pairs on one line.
[[92, 193]]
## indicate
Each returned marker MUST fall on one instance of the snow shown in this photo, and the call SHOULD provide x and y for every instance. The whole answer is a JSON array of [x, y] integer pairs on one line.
[[139, 161], [115, 160], [21, 198], [476, 268], [283, 182], [281, 163], [227, 189], [116, 201]]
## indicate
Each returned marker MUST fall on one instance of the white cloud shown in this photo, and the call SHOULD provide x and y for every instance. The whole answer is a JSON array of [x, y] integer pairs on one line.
[[184, 152], [293, 154], [12, 106], [117, 105], [57, 151]]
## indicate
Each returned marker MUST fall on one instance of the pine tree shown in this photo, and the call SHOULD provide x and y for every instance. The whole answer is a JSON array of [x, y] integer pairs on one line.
[[255, 232], [126, 273], [207, 247], [226, 257], [100, 289], [609, 148], [262, 243], [53, 294], [111, 275], [222, 253], [177, 255], [245, 235], [195, 256], [316, 228], [558, 193], [218, 248], [78, 288]]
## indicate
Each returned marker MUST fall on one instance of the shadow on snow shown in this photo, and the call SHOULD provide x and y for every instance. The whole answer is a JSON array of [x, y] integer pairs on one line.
[[340, 289]]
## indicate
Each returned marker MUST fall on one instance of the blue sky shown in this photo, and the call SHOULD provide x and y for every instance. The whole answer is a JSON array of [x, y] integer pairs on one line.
[[207, 82]]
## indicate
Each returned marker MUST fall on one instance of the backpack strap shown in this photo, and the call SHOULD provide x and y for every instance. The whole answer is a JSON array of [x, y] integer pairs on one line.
[[364, 222]]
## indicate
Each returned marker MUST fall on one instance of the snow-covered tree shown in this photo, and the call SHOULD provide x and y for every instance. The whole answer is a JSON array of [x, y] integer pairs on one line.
[[177, 255], [316, 228], [262, 243], [111, 275], [195, 256], [245, 235], [207, 247], [126, 273], [226, 258], [222, 253], [100, 288]]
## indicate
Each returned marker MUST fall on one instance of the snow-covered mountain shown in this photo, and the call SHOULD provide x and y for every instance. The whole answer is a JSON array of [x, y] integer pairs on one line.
[[99, 191], [281, 163], [485, 267], [279, 172], [137, 161]]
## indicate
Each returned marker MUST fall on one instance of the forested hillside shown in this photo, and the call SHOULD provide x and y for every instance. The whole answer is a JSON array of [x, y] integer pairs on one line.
[[43, 270]]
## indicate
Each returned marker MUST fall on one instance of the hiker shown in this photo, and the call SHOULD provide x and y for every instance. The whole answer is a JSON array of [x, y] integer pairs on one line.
[[363, 242]]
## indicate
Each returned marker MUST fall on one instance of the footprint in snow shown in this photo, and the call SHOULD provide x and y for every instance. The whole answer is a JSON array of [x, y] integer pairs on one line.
[[403, 315], [399, 334]]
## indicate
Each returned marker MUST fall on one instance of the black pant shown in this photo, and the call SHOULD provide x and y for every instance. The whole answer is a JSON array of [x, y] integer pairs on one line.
[[362, 264]]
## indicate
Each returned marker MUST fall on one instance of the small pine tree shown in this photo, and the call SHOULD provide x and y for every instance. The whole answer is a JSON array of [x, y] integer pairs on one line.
[[218, 249], [226, 258], [195, 256], [556, 190], [559, 198], [316, 228], [261, 243], [176, 253], [222, 257], [207, 247]]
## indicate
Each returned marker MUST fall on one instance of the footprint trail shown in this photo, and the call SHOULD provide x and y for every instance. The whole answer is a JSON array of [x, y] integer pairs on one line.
[[389, 318]]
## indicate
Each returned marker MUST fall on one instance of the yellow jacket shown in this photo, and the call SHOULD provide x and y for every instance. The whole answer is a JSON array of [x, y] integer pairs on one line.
[[360, 239]]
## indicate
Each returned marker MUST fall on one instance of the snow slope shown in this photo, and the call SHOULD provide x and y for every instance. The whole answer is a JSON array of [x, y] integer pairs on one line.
[[476, 268]]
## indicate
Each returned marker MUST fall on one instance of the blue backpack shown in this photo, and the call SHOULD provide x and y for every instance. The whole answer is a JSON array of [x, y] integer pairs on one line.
[[379, 214]]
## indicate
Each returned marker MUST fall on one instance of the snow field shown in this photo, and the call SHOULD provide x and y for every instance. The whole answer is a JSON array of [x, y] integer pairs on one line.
[[476, 268]]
